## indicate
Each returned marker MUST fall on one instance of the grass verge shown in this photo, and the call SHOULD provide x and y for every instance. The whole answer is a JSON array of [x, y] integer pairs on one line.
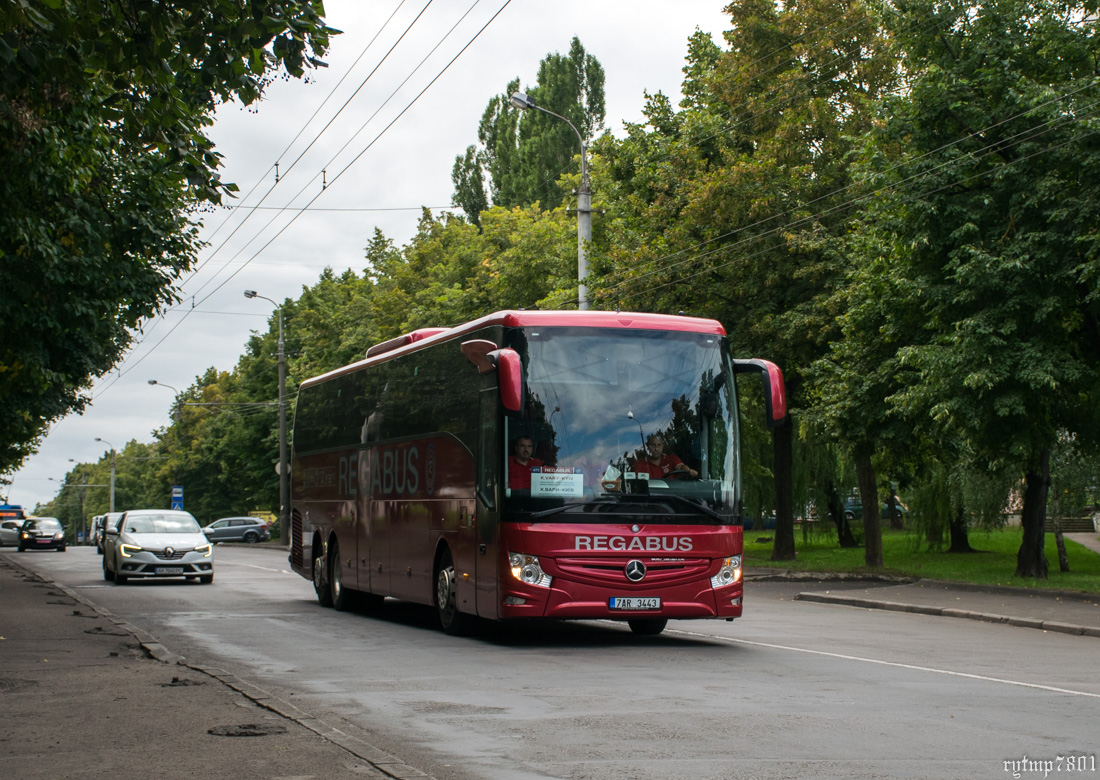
[[904, 555]]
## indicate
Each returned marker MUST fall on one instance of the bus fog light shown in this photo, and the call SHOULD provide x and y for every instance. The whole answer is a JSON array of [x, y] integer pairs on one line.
[[526, 568], [514, 601], [729, 574]]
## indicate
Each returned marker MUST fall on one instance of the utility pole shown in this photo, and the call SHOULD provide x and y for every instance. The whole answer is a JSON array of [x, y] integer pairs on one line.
[[523, 101]]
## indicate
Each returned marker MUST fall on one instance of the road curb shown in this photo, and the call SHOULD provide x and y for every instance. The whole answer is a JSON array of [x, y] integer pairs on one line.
[[896, 606]]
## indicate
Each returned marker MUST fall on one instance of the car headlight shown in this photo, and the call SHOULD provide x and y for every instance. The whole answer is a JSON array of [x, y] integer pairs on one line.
[[526, 568], [729, 574], [206, 550], [59, 536], [126, 550]]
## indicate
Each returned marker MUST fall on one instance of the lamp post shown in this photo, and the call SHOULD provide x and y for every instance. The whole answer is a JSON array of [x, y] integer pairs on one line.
[[176, 413], [523, 101], [111, 503], [284, 466]]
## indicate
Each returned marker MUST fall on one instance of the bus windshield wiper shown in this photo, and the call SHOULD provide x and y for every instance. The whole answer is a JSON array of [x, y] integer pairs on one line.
[[559, 509], [640, 500]]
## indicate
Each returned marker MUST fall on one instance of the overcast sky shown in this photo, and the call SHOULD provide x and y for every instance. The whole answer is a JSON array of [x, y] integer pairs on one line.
[[388, 152]]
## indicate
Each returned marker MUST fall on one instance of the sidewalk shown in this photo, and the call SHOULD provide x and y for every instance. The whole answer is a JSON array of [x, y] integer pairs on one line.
[[84, 694]]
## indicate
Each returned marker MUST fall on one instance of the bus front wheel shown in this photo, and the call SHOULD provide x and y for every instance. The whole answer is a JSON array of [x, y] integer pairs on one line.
[[647, 626], [452, 621], [320, 582]]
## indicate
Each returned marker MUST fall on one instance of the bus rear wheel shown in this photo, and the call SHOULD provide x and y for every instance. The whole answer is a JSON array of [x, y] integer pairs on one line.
[[451, 620], [320, 582], [339, 597], [647, 626]]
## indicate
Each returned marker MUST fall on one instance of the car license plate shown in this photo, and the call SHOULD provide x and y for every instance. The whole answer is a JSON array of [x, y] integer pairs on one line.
[[168, 570], [44, 541], [635, 602]]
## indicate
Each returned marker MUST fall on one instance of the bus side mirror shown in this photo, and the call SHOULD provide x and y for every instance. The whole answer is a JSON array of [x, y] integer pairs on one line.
[[775, 390], [485, 355], [511, 379]]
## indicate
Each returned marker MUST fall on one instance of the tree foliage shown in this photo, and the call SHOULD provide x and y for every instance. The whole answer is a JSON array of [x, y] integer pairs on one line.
[[524, 153], [103, 108], [985, 169], [727, 207]]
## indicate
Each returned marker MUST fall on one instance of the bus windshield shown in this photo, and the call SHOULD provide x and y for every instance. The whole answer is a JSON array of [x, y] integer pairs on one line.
[[623, 422]]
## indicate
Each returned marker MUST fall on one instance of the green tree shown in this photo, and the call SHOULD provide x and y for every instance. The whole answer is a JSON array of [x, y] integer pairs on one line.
[[986, 171], [728, 208], [103, 110], [525, 153]]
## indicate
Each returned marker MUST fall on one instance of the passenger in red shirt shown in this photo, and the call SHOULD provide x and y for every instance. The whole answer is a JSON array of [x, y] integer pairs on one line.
[[520, 463], [661, 465]]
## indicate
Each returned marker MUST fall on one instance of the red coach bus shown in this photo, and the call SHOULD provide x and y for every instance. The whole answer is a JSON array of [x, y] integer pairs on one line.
[[511, 467]]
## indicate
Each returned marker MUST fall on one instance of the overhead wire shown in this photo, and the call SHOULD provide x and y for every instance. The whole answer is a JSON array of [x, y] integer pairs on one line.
[[975, 134], [990, 149], [299, 211]]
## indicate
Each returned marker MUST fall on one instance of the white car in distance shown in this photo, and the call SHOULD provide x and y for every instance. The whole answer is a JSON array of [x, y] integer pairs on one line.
[[157, 543]]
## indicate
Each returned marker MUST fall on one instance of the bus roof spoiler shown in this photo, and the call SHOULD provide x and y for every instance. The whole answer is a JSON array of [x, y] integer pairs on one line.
[[402, 341], [775, 390]]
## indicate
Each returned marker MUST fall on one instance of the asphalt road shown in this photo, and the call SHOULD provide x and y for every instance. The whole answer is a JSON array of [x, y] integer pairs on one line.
[[795, 689]]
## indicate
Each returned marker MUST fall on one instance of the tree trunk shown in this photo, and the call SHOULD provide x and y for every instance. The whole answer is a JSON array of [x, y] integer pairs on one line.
[[1063, 556], [1030, 560], [782, 468], [872, 522], [960, 534], [836, 514]]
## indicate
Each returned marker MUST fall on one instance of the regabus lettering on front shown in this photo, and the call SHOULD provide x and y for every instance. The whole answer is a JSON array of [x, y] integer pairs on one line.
[[652, 544]]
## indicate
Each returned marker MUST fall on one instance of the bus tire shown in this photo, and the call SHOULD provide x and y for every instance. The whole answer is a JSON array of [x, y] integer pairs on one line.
[[451, 620], [647, 626], [340, 597], [320, 582]]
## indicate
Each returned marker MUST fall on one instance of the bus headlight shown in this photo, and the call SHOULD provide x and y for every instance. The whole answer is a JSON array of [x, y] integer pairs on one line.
[[526, 568], [126, 550], [729, 574]]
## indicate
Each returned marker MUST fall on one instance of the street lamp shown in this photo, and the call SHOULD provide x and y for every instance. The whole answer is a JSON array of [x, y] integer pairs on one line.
[[523, 101], [111, 505], [175, 414], [284, 466]]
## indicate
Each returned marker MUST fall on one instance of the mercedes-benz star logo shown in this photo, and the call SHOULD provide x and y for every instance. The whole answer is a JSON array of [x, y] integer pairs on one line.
[[635, 571]]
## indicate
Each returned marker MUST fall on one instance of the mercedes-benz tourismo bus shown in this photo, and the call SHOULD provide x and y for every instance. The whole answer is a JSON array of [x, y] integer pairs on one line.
[[497, 470]]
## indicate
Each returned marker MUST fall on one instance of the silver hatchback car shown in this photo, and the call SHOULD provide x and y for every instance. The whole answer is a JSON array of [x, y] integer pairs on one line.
[[157, 543]]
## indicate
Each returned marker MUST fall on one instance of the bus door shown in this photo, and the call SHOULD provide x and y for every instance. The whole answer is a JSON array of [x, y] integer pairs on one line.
[[487, 504]]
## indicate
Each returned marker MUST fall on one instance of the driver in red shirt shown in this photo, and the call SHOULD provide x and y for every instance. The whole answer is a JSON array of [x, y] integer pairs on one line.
[[659, 464], [520, 463]]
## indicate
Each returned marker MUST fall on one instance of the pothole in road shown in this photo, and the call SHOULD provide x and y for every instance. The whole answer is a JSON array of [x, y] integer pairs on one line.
[[10, 686], [247, 730], [178, 682]]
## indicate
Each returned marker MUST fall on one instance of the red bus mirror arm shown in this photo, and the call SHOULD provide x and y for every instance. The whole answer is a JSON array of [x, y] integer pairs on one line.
[[775, 390], [486, 356]]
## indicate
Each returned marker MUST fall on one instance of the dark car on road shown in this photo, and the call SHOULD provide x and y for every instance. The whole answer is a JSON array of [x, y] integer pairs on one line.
[[238, 529], [853, 510], [42, 533]]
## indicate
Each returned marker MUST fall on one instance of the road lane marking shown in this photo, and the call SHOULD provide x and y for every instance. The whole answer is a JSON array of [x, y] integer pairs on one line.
[[254, 566], [912, 667]]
